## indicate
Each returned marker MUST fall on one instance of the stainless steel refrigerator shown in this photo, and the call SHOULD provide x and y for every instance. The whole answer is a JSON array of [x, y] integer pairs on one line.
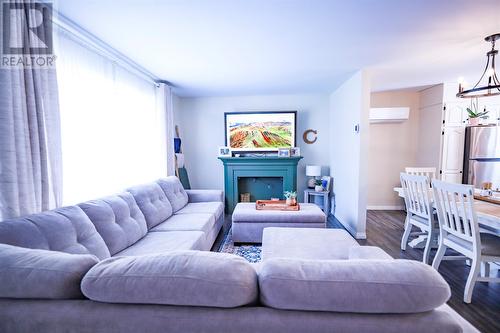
[[482, 156]]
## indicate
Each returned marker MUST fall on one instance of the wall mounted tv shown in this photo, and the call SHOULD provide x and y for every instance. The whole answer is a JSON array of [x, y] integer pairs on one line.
[[260, 131]]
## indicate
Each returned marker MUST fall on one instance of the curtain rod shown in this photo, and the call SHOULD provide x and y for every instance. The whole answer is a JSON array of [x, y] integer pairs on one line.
[[93, 41]]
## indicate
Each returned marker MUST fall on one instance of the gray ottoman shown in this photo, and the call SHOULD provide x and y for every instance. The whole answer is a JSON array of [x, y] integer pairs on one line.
[[322, 244], [248, 222]]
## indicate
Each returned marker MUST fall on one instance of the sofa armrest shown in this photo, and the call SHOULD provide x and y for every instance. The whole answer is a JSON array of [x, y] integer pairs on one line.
[[205, 195]]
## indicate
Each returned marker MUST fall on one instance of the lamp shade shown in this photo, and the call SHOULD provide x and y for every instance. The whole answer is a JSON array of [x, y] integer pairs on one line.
[[313, 170]]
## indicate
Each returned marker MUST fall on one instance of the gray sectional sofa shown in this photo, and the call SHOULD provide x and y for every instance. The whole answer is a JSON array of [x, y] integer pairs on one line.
[[138, 262], [146, 219]]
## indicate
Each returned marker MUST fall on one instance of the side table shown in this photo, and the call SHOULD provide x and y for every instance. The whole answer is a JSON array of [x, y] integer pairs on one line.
[[324, 194]]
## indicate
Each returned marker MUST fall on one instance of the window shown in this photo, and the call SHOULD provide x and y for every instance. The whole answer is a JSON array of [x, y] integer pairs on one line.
[[111, 126]]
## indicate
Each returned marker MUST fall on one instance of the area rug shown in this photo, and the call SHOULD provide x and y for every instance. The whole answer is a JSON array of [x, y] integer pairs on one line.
[[252, 253]]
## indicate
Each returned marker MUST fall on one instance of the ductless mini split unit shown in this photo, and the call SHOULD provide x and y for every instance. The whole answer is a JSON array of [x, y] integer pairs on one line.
[[389, 115]]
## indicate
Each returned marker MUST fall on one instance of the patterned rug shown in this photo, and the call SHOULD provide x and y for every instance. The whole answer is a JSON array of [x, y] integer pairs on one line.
[[249, 252]]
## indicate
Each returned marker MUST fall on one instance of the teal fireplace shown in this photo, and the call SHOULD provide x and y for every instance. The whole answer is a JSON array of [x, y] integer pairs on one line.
[[262, 177]]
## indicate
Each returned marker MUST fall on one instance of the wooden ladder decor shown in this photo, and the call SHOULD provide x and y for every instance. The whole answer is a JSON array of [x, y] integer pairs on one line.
[[180, 172]]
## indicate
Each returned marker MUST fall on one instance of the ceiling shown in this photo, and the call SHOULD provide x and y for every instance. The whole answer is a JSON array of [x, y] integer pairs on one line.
[[244, 47]]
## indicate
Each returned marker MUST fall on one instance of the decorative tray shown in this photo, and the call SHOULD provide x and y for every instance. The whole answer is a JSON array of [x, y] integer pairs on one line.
[[275, 205]]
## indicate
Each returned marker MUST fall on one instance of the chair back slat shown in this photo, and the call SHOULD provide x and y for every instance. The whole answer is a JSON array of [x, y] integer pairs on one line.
[[416, 193], [429, 172], [450, 220], [466, 224], [459, 222], [455, 208]]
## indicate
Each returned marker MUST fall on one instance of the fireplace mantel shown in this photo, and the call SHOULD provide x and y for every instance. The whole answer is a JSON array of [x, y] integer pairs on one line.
[[257, 167]]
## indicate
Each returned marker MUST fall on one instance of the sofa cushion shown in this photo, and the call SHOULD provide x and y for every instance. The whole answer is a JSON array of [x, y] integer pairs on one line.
[[368, 253], [216, 208], [174, 191], [162, 242], [359, 286], [196, 221], [153, 203], [118, 220], [205, 195], [306, 243], [190, 278], [66, 229], [32, 273]]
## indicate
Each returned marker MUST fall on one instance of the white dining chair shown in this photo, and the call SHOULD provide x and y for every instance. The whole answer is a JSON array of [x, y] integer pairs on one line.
[[459, 230], [429, 172], [419, 211]]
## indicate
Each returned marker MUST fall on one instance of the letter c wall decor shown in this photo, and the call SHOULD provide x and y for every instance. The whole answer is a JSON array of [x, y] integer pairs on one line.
[[306, 136]]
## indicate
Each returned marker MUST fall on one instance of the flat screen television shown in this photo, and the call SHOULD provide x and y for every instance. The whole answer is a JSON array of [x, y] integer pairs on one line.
[[260, 131]]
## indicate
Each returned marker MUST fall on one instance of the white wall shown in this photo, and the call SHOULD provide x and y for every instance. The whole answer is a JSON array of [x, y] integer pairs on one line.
[[349, 106], [176, 105], [392, 147], [429, 128], [201, 123]]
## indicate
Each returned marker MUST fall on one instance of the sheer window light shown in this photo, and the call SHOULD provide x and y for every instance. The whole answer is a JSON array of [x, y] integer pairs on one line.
[[111, 125]]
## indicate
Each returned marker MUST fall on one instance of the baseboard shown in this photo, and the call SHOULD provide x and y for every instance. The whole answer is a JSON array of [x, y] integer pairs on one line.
[[360, 235], [354, 233], [396, 207]]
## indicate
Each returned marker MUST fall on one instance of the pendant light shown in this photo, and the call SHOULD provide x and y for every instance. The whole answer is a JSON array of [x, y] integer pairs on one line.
[[488, 84]]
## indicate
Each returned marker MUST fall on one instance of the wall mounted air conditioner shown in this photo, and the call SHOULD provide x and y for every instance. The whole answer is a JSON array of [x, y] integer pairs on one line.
[[389, 115]]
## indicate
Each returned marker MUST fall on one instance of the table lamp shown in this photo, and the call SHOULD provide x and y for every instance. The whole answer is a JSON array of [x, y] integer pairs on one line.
[[312, 171]]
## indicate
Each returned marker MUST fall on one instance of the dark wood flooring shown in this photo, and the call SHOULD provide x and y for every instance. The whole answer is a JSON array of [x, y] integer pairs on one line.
[[385, 228]]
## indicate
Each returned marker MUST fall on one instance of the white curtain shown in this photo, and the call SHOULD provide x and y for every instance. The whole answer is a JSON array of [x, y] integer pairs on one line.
[[113, 131], [30, 147], [165, 105]]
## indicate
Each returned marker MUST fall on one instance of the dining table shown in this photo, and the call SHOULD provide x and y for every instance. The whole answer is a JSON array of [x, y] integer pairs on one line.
[[488, 218]]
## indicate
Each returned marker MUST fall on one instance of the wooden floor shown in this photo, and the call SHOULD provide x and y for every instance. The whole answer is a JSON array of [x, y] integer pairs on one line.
[[385, 228]]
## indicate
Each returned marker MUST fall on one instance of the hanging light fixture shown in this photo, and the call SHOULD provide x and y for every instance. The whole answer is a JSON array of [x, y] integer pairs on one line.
[[488, 84]]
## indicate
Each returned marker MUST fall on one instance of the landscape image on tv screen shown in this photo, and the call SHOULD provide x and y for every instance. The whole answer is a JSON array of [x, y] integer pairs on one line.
[[266, 131]]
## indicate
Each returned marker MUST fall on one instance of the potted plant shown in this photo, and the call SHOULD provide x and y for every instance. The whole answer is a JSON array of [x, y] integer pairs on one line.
[[319, 186], [291, 198], [474, 113]]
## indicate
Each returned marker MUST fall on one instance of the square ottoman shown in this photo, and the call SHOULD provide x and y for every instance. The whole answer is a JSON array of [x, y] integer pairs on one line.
[[321, 244], [248, 222]]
